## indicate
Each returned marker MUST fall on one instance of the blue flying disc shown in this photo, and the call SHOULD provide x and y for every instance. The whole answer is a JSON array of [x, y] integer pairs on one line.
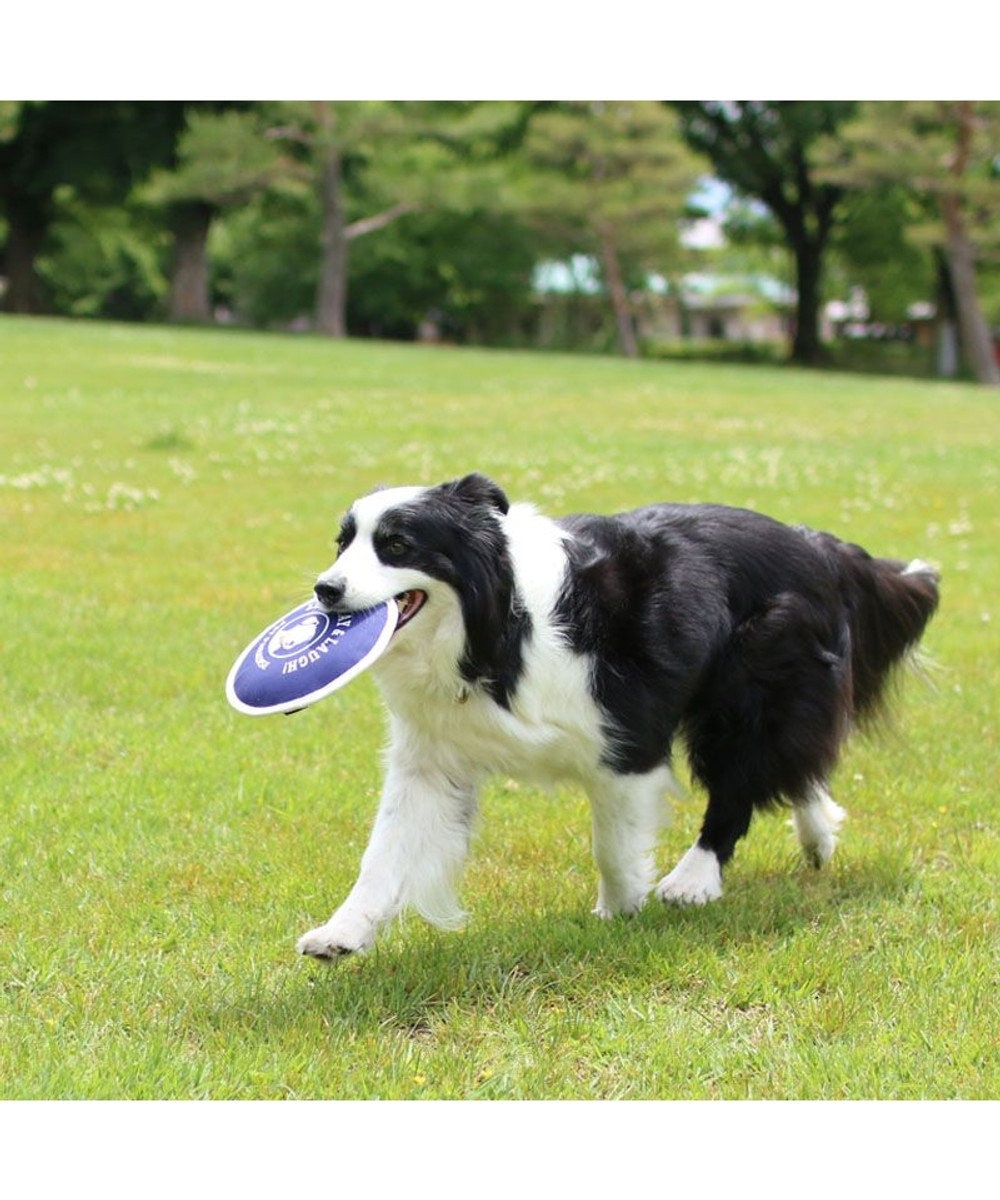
[[307, 654]]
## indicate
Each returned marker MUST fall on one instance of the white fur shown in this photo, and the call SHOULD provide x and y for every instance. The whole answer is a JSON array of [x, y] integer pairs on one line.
[[816, 822], [552, 730], [696, 879], [418, 844], [446, 738], [369, 580], [627, 812]]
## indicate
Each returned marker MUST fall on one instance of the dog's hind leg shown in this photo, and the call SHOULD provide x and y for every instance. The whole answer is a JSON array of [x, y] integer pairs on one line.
[[721, 754], [418, 845], [817, 818], [627, 811], [768, 723]]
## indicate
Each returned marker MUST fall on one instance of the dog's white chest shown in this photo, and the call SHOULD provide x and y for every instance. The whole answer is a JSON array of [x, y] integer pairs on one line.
[[552, 730]]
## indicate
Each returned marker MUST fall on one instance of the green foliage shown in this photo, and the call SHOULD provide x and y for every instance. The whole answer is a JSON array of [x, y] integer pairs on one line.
[[159, 853], [264, 258], [874, 250], [714, 351], [944, 153], [467, 272], [10, 116], [754, 246], [910, 150], [96, 150], [104, 261], [749, 225], [611, 169], [612, 179], [988, 280], [890, 141], [387, 150], [99, 148], [872, 356], [223, 159], [763, 148], [465, 267]]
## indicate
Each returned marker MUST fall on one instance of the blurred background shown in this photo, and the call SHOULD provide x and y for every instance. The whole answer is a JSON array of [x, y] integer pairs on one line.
[[849, 234]]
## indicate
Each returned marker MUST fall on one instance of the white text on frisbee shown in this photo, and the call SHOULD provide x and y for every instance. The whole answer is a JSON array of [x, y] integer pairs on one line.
[[324, 647]]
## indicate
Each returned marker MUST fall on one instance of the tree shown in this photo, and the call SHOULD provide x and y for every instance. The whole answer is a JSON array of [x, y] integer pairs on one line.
[[373, 162], [945, 153], [369, 143], [764, 150], [94, 150], [613, 177], [461, 261], [223, 158], [462, 275]]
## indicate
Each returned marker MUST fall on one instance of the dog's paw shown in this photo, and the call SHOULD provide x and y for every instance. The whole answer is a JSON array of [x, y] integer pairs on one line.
[[697, 879], [607, 910], [336, 939], [817, 825]]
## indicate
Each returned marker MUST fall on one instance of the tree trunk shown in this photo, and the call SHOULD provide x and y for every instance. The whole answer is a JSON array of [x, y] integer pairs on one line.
[[618, 292], [331, 296], [24, 244], [960, 253], [189, 301], [977, 344], [946, 351], [807, 349]]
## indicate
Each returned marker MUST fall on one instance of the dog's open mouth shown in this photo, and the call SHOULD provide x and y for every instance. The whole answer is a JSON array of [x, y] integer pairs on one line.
[[409, 604]]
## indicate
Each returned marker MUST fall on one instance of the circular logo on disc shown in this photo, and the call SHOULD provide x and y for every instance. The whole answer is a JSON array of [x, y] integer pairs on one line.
[[307, 654]]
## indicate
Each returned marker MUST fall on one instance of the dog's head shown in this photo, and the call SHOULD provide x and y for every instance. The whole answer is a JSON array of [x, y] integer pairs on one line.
[[435, 551]]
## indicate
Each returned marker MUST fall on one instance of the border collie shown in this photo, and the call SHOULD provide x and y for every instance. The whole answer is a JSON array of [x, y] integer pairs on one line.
[[580, 649]]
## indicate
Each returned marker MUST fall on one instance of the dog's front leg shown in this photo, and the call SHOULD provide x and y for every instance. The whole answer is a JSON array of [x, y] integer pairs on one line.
[[418, 844], [628, 811]]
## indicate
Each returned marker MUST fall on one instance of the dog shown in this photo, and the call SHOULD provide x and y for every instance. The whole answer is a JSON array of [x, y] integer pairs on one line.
[[582, 649]]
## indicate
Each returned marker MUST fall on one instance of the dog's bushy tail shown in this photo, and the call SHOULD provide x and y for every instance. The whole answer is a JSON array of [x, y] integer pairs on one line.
[[890, 604]]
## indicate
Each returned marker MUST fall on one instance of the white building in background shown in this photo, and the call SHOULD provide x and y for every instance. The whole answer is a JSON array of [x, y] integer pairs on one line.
[[700, 306]]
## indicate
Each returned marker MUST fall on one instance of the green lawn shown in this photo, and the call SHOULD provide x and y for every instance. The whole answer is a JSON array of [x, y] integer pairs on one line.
[[164, 494]]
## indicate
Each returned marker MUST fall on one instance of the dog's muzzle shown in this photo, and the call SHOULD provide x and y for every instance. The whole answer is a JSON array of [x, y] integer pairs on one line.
[[329, 594]]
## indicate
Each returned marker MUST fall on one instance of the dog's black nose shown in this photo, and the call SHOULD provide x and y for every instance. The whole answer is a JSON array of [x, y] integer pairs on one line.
[[329, 594]]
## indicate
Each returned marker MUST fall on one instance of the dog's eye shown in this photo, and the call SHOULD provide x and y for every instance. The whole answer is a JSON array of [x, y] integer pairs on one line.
[[395, 547]]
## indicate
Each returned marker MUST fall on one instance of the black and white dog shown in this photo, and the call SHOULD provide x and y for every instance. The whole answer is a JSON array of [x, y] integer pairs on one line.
[[578, 649]]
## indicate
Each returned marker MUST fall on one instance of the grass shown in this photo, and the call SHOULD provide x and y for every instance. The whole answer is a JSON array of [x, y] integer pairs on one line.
[[166, 493]]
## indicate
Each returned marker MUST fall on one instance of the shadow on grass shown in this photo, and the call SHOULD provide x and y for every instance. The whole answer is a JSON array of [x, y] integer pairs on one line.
[[416, 976]]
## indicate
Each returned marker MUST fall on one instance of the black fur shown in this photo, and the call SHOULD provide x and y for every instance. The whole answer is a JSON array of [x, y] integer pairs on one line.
[[759, 643], [453, 535]]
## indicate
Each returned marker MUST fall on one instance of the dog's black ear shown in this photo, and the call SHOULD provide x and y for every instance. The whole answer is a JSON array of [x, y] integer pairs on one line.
[[477, 489]]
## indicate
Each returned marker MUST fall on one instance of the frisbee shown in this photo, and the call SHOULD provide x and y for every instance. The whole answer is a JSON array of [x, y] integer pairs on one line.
[[307, 654]]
